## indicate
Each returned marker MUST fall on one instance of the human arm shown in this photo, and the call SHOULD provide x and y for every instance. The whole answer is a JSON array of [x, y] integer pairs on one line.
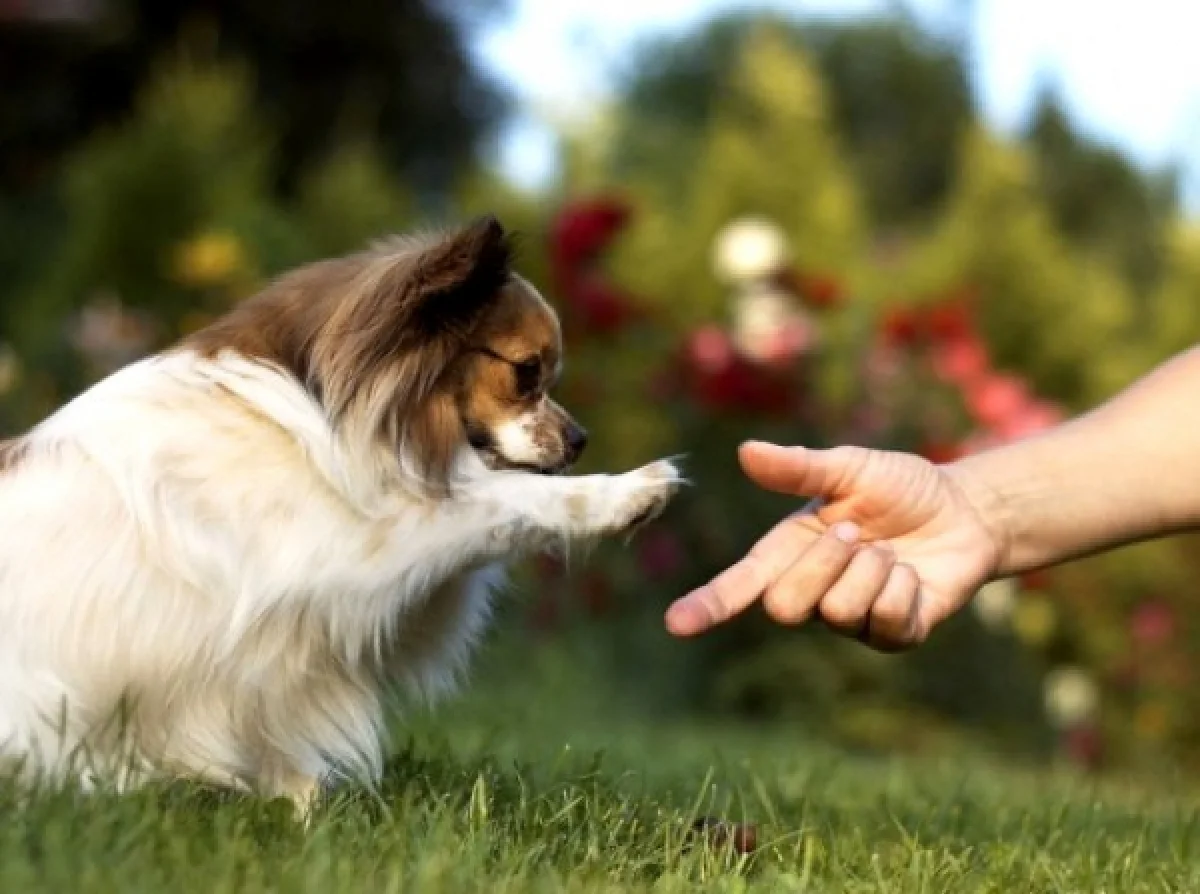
[[898, 544]]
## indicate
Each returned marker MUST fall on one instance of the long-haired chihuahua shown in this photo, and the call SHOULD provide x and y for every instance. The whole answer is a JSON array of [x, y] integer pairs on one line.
[[219, 561]]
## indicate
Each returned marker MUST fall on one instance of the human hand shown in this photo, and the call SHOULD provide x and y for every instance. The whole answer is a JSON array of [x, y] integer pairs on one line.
[[896, 545]]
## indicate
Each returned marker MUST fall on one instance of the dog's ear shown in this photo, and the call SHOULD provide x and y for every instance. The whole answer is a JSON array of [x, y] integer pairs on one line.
[[453, 280], [421, 301]]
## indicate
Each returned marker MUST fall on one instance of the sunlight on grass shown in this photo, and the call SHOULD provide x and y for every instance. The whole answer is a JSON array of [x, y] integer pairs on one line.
[[511, 789]]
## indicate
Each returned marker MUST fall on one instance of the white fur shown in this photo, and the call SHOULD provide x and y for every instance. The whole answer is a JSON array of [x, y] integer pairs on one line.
[[191, 543], [515, 439]]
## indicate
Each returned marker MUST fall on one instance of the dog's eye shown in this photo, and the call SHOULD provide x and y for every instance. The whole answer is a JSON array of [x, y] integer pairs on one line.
[[529, 376]]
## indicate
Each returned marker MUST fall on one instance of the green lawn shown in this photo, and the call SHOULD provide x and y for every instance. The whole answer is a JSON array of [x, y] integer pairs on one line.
[[544, 783]]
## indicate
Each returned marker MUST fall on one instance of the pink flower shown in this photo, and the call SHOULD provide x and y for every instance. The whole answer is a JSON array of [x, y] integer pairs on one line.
[[960, 360], [1031, 419], [1152, 623], [710, 349], [994, 399], [788, 343]]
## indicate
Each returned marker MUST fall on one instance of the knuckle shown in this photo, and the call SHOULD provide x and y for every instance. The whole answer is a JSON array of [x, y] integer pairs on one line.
[[893, 610], [750, 572], [784, 606], [905, 579], [830, 552], [873, 562], [841, 610], [713, 605]]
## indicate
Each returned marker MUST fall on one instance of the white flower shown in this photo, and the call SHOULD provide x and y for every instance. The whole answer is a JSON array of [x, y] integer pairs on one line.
[[749, 249], [1070, 696], [994, 603]]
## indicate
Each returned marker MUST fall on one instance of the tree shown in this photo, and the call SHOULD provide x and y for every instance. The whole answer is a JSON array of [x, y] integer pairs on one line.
[[1098, 198], [898, 98], [768, 151], [998, 240], [399, 71]]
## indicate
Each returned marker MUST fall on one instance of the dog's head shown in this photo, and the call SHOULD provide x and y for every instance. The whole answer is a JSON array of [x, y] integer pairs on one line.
[[422, 346]]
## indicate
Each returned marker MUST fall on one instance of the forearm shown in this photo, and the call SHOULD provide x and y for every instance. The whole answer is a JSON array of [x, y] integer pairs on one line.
[[1124, 472]]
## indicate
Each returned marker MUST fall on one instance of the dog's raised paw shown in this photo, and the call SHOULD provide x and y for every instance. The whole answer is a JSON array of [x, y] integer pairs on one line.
[[646, 493]]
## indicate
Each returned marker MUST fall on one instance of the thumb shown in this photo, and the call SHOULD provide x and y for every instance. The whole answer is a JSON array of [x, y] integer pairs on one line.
[[798, 471]]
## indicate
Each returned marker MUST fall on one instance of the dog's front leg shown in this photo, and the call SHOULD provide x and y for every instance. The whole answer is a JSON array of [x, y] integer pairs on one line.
[[544, 511]]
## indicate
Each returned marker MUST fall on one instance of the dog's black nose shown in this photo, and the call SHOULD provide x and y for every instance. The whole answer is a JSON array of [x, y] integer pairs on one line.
[[577, 439]]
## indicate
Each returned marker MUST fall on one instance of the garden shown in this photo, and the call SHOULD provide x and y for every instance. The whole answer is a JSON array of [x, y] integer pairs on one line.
[[763, 236]]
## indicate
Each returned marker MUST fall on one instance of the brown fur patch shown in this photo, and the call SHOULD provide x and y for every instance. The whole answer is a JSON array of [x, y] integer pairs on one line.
[[12, 452], [377, 337], [518, 327]]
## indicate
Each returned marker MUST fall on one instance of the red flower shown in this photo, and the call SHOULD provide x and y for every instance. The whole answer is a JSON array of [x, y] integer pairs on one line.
[[722, 379], [744, 388], [901, 327], [598, 307], [578, 236], [950, 320], [584, 228]]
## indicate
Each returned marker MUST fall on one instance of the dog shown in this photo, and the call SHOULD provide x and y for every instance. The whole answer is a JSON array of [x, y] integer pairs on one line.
[[222, 560]]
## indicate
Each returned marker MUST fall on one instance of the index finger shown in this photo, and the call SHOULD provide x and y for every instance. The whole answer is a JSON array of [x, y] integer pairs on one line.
[[736, 589]]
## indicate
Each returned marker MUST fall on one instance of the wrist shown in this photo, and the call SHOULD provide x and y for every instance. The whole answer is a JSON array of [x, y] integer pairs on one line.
[[991, 507]]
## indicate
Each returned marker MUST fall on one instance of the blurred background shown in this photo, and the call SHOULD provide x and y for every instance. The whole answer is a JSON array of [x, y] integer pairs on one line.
[[931, 226]]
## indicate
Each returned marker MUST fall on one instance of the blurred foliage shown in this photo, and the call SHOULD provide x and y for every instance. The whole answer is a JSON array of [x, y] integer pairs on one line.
[[997, 233], [959, 289], [1097, 198], [400, 71], [898, 99]]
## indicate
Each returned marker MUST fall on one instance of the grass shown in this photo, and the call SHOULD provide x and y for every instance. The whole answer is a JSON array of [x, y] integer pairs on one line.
[[547, 783]]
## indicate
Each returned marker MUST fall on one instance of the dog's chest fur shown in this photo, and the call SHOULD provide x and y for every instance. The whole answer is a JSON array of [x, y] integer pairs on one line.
[[190, 546]]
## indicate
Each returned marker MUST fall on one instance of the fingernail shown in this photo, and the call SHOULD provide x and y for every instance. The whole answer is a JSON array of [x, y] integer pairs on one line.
[[846, 531]]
